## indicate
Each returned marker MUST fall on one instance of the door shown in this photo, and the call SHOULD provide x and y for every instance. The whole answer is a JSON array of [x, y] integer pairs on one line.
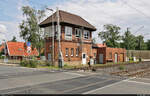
[[83, 58], [116, 57], [101, 58], [121, 57]]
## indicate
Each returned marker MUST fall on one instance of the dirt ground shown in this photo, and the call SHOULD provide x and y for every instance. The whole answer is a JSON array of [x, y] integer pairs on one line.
[[132, 70]]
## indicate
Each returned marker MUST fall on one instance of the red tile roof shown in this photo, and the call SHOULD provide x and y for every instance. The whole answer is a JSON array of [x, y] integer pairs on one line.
[[19, 49], [66, 17], [1, 47]]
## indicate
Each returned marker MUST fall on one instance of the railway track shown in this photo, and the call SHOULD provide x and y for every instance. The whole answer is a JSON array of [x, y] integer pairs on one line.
[[133, 73]]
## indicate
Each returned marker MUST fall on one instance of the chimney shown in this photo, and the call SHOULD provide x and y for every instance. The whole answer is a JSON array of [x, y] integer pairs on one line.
[[104, 44]]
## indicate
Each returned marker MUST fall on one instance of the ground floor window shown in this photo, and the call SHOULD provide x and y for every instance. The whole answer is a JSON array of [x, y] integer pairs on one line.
[[67, 51], [72, 51], [77, 51]]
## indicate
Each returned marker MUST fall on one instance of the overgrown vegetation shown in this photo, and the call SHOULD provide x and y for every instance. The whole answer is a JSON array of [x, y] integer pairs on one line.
[[111, 36], [29, 63], [121, 67]]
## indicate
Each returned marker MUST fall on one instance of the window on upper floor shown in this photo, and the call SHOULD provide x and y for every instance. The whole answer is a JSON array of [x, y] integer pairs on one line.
[[86, 34], [68, 33], [77, 32], [48, 31]]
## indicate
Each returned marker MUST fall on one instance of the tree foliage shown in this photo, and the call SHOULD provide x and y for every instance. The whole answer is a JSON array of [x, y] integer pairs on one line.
[[110, 35], [140, 43], [30, 30], [129, 40], [148, 44], [14, 39]]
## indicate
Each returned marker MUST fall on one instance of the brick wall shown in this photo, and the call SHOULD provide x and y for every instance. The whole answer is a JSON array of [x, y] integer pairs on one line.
[[74, 43], [106, 51]]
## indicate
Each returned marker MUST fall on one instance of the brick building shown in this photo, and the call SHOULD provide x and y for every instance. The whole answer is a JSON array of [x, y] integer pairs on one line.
[[106, 54], [76, 39], [17, 50]]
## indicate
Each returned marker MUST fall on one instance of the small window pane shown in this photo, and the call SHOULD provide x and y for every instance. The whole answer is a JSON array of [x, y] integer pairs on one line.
[[67, 51], [72, 51]]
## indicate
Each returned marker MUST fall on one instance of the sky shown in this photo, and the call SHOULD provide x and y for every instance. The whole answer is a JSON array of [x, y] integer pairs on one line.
[[123, 13]]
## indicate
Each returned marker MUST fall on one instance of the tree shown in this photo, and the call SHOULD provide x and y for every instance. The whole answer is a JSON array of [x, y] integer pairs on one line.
[[110, 35], [14, 39], [30, 30], [140, 43], [129, 40], [148, 44]]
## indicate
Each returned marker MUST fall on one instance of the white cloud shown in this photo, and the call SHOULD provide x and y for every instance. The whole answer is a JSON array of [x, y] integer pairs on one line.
[[13, 30], [124, 13], [3, 28]]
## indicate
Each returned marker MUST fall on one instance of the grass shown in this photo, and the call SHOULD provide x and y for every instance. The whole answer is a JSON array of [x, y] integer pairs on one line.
[[49, 67]]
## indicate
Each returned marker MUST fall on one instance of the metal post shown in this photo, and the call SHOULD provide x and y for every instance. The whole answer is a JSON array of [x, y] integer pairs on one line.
[[53, 39], [60, 57], [53, 34]]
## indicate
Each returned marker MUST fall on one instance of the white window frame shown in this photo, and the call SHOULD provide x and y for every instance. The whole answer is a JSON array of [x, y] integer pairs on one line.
[[72, 51], [86, 34], [68, 33], [77, 32], [67, 51], [77, 51]]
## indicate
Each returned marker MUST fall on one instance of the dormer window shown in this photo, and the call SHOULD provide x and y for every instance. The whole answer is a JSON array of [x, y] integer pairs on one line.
[[86, 34], [77, 32], [68, 33]]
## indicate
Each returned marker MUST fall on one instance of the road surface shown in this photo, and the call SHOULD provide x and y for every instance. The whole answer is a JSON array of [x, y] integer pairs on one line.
[[19, 80]]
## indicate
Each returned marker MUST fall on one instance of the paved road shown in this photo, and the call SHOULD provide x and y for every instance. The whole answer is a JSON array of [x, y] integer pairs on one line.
[[16, 80]]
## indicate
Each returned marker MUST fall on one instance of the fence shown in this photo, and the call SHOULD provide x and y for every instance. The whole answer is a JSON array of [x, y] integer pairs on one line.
[[144, 54]]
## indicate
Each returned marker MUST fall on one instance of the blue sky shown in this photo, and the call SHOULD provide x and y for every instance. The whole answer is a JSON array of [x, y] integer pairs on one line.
[[124, 13]]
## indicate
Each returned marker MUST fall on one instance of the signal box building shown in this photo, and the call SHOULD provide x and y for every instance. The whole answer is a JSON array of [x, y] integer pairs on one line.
[[75, 39]]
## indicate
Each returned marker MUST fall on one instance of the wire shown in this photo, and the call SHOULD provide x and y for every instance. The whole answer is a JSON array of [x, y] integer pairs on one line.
[[139, 11]]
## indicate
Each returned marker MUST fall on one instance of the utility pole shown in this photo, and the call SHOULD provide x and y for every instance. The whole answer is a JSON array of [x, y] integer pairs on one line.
[[60, 57], [53, 34]]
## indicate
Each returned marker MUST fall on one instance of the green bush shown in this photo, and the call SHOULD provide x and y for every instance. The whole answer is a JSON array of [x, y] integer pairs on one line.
[[130, 58], [122, 67], [47, 63], [140, 59], [29, 63], [2, 57]]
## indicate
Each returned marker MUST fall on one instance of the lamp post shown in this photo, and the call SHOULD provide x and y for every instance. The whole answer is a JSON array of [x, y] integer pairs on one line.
[[53, 34]]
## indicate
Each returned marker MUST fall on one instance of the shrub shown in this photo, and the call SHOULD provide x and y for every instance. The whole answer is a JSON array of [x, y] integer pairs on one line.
[[130, 58], [140, 59], [29, 63], [122, 67], [48, 63]]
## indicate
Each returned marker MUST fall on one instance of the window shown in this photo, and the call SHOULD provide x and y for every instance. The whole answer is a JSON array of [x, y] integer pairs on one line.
[[68, 33], [56, 31], [77, 51], [72, 51], [86, 34], [94, 54], [110, 55], [67, 51], [77, 32], [48, 31]]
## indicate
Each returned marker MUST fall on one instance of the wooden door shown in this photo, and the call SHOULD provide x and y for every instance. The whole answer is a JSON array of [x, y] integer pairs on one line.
[[121, 57]]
